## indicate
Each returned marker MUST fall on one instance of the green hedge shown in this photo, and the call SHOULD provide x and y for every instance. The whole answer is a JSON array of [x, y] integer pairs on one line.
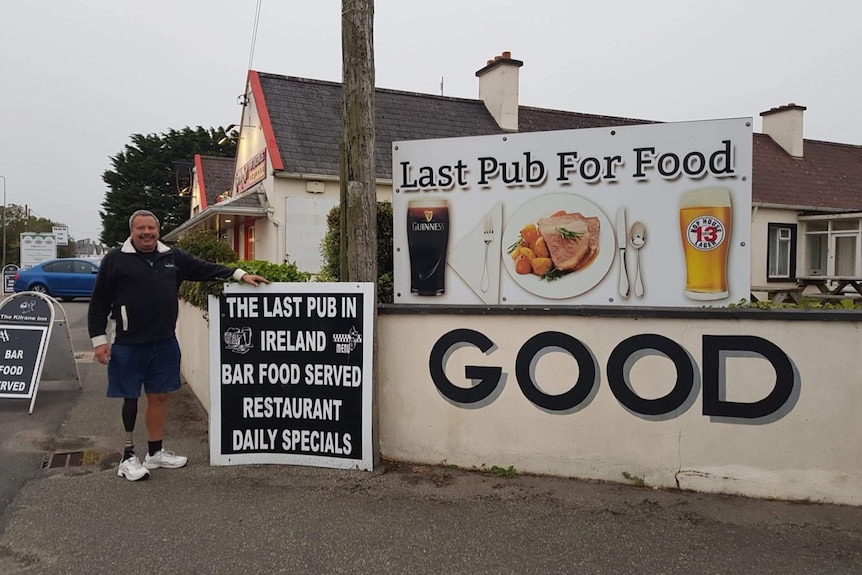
[[330, 250], [205, 244], [196, 293]]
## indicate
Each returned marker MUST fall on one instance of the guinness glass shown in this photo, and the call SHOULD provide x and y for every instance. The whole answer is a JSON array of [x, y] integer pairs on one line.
[[428, 240]]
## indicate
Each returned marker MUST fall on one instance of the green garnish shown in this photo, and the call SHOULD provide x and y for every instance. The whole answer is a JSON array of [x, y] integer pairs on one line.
[[568, 234], [553, 275], [515, 246]]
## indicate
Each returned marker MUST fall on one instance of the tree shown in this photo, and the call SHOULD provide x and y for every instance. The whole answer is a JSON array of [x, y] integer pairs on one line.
[[19, 219], [144, 177], [358, 178]]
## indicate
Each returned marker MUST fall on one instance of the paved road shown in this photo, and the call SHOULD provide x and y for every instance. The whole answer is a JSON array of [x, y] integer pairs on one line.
[[401, 518]]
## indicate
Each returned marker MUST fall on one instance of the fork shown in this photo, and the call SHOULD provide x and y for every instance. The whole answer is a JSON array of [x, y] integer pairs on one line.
[[488, 237]]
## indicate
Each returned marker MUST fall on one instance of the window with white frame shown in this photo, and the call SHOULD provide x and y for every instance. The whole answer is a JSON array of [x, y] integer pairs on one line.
[[832, 246], [781, 254]]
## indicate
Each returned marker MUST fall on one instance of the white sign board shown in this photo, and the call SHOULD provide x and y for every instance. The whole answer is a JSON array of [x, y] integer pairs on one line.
[[291, 374], [37, 247], [646, 215], [61, 235]]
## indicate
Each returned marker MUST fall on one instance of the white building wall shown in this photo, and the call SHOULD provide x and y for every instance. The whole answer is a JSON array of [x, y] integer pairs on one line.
[[251, 141], [266, 238], [803, 455], [806, 452], [760, 220], [251, 136], [192, 331], [301, 242]]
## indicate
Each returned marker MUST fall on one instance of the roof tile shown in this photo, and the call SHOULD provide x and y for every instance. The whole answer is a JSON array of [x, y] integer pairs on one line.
[[218, 176], [306, 119]]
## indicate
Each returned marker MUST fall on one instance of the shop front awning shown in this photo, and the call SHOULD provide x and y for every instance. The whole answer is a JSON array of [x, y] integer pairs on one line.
[[222, 216]]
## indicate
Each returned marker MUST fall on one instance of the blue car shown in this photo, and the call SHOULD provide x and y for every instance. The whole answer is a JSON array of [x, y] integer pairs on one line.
[[65, 278]]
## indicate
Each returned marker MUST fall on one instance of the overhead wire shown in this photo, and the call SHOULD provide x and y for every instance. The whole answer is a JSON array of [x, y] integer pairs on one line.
[[254, 34]]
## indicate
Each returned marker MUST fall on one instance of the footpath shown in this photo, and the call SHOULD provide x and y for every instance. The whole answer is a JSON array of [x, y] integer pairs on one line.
[[81, 518]]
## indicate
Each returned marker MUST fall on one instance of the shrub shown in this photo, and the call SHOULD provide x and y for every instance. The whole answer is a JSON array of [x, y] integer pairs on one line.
[[331, 251], [196, 293], [206, 244], [806, 303]]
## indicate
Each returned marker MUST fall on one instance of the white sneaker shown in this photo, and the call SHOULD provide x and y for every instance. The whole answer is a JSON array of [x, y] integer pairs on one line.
[[132, 469], [165, 459]]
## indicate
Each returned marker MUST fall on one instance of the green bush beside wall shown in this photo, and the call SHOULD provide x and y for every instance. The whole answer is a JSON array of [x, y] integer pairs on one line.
[[206, 245], [330, 250]]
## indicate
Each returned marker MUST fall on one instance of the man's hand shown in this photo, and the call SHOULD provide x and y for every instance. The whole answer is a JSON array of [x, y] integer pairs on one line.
[[254, 280], [103, 353]]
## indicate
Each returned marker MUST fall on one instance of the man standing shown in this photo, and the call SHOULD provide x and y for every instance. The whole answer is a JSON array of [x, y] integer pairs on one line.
[[138, 285]]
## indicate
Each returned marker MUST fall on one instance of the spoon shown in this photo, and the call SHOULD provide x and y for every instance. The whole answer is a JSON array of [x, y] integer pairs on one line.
[[637, 238]]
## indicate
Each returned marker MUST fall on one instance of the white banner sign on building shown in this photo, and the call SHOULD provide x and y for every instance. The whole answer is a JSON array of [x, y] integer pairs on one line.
[[37, 247], [646, 215]]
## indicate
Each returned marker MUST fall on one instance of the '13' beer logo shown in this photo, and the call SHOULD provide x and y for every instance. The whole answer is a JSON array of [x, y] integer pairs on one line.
[[705, 233]]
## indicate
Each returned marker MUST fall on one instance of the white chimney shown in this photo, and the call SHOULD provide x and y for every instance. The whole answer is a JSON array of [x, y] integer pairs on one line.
[[498, 89], [784, 125]]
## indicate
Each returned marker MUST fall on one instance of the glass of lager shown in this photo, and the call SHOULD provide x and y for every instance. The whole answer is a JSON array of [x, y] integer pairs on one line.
[[428, 241], [705, 225]]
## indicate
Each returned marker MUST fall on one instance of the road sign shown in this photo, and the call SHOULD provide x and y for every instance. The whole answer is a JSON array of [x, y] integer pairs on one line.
[[61, 235]]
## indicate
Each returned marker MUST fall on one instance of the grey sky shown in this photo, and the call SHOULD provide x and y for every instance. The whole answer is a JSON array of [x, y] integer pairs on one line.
[[78, 77]]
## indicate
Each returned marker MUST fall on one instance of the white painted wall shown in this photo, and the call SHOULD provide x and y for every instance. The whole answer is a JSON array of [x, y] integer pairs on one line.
[[296, 237], [811, 453], [807, 454], [251, 141], [760, 220], [267, 236], [193, 335], [784, 125], [498, 89], [251, 136]]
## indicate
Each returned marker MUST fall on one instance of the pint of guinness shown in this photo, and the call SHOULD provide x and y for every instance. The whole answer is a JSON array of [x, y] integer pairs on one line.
[[428, 240]]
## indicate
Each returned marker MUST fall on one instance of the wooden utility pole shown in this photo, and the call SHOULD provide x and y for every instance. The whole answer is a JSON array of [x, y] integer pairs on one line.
[[358, 179]]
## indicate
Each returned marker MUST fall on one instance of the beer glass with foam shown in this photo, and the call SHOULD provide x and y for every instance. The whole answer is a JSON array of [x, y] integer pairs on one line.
[[705, 223], [428, 241]]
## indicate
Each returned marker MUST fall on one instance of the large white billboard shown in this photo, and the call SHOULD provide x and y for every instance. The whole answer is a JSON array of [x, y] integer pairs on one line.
[[646, 215], [37, 247]]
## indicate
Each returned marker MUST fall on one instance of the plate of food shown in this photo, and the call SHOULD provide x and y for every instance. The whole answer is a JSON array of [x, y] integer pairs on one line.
[[558, 245]]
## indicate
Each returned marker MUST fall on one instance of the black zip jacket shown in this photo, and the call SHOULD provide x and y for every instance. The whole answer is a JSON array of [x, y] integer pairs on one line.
[[142, 299]]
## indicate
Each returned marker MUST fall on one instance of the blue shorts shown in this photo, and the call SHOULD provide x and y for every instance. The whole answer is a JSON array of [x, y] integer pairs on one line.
[[155, 366]]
